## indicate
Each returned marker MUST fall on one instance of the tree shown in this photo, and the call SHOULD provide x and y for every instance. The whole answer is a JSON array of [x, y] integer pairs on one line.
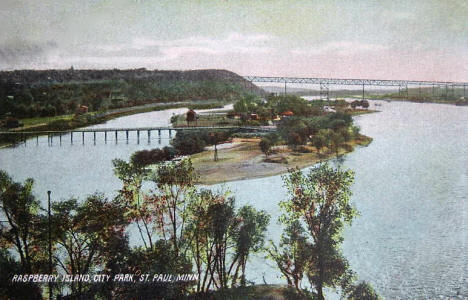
[[189, 142], [24, 230], [214, 138], [292, 254], [318, 141], [363, 291], [13, 290], [336, 140], [356, 131], [132, 174], [85, 233], [190, 116], [365, 104], [165, 207], [321, 201], [249, 236], [221, 238], [265, 145]]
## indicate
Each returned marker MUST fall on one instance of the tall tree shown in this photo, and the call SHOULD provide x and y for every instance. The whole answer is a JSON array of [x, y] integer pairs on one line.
[[86, 233], [23, 228], [321, 201]]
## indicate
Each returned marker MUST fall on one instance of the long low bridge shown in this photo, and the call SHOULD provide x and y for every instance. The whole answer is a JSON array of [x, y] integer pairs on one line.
[[22, 136]]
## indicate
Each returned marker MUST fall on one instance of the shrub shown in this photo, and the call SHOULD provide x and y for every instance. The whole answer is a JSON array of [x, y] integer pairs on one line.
[[265, 145], [188, 142], [148, 157]]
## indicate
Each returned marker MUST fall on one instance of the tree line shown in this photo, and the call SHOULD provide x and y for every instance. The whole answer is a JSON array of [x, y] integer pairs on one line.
[[65, 98], [181, 228]]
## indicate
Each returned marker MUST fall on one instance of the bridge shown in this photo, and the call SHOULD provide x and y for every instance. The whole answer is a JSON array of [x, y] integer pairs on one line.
[[73, 135], [326, 82]]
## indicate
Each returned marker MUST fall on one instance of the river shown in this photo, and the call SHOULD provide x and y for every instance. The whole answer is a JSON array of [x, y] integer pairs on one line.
[[411, 187]]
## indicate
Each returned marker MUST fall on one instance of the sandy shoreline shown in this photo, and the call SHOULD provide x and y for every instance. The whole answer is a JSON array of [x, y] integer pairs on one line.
[[243, 159]]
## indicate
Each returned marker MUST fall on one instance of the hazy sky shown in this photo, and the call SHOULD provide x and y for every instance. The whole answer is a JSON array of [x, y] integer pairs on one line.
[[420, 40]]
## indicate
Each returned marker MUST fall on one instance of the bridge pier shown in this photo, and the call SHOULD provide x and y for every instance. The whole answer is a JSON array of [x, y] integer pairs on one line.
[[60, 138], [116, 137], [71, 137], [105, 137], [324, 92], [363, 92], [138, 137], [37, 139], [149, 137], [285, 90], [82, 137], [126, 133]]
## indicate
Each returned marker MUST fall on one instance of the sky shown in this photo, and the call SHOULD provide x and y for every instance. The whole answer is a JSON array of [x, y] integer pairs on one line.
[[395, 39]]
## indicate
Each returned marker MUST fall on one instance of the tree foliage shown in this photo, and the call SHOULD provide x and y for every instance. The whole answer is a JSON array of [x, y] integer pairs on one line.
[[319, 201]]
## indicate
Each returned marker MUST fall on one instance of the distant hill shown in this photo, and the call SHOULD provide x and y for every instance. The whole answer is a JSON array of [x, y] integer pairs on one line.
[[32, 93], [34, 77]]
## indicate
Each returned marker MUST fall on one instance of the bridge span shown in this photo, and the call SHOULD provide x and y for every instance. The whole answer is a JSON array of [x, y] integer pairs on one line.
[[325, 83], [337, 81], [72, 135]]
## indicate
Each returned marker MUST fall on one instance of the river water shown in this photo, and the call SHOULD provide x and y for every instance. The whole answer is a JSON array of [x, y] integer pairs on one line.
[[411, 187]]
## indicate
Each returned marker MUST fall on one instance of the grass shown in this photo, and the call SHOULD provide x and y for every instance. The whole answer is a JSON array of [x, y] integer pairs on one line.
[[31, 122]]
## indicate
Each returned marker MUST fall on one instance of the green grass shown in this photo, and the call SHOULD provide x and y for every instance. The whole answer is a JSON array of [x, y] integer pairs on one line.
[[43, 120]]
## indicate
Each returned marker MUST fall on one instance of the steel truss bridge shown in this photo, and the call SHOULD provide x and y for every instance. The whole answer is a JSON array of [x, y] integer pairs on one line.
[[325, 84], [336, 81]]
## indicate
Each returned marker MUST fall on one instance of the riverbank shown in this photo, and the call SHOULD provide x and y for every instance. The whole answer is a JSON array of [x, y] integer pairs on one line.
[[242, 159], [456, 102]]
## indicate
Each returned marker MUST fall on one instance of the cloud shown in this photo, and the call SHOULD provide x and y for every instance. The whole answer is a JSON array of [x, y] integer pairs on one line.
[[234, 43], [342, 48], [21, 52]]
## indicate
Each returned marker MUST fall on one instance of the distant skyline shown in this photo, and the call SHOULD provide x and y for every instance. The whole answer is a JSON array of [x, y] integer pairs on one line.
[[413, 40]]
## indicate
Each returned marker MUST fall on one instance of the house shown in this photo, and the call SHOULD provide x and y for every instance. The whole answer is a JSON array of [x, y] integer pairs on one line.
[[190, 116], [82, 109], [286, 114]]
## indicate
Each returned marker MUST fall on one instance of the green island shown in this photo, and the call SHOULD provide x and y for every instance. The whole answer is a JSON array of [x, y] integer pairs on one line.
[[304, 134]]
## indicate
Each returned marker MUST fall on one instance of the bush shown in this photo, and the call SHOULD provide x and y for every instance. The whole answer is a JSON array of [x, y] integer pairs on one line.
[[363, 291], [188, 142], [265, 145], [149, 157], [194, 141]]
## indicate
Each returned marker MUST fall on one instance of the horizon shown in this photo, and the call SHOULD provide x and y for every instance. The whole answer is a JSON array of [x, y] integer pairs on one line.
[[242, 75], [390, 40]]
